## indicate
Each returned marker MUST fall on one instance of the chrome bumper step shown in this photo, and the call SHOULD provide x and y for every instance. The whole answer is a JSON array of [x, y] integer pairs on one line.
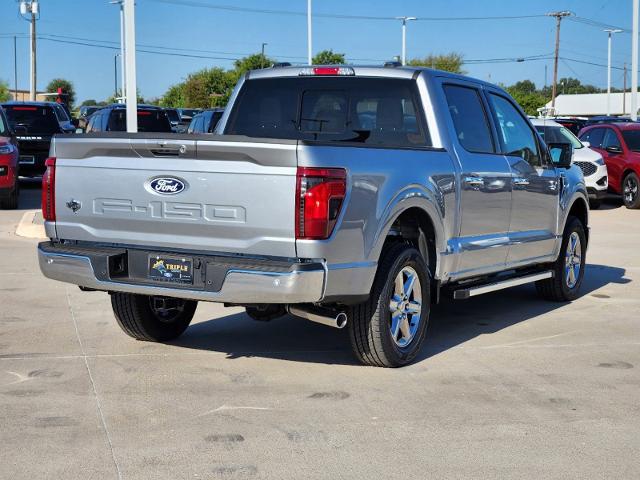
[[464, 293]]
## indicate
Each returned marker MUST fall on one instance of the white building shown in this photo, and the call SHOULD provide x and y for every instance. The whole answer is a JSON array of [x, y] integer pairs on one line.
[[590, 104]]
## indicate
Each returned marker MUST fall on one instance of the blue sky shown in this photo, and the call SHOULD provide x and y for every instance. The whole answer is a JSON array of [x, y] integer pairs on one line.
[[166, 27]]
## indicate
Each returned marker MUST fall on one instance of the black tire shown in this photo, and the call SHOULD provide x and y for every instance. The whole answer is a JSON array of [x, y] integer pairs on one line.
[[140, 320], [595, 204], [559, 288], [370, 322], [631, 191]]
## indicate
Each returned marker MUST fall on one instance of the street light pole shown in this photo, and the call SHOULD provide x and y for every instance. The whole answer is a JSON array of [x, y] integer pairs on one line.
[[634, 63], [115, 75], [130, 65], [30, 11], [404, 37], [15, 70], [610, 32], [309, 39], [123, 70]]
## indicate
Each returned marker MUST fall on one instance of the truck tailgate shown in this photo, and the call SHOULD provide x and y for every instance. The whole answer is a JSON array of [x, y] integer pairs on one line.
[[208, 195]]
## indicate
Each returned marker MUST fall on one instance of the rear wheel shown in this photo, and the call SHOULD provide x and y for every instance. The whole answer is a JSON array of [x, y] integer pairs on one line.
[[388, 330], [631, 191], [568, 270], [154, 319]]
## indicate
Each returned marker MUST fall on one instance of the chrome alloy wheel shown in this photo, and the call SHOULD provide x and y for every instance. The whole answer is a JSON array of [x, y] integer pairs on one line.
[[573, 260], [630, 190], [405, 307], [166, 309]]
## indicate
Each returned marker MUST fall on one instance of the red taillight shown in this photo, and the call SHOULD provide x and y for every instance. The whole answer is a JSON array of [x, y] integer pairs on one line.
[[143, 113], [319, 196], [49, 190], [27, 109]]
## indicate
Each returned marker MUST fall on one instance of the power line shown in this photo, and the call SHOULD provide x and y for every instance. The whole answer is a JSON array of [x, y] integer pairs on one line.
[[233, 8]]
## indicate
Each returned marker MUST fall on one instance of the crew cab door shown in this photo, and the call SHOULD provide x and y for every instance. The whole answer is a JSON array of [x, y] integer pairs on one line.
[[535, 185], [485, 184]]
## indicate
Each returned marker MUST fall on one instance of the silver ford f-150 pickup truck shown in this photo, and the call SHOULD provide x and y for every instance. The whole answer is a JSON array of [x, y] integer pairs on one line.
[[350, 196]]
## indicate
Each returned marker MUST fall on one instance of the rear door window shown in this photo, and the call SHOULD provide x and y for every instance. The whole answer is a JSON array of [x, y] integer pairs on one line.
[[148, 121], [370, 111], [610, 139], [36, 119], [469, 118]]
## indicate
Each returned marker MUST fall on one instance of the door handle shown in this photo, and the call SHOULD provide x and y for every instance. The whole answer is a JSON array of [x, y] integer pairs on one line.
[[520, 182], [474, 181]]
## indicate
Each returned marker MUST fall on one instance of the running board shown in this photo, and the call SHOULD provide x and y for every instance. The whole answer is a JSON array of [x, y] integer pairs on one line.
[[492, 287]]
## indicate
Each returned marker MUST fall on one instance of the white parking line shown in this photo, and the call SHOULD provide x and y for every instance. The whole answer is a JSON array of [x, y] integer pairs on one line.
[[28, 228]]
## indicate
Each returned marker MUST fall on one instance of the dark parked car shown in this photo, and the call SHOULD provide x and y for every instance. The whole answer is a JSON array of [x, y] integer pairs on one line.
[[85, 112], [619, 144], [174, 118], [9, 186], [34, 124], [607, 119], [206, 121], [114, 119], [574, 125]]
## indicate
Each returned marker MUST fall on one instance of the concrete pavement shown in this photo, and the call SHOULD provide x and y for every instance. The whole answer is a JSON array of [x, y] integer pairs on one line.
[[508, 386]]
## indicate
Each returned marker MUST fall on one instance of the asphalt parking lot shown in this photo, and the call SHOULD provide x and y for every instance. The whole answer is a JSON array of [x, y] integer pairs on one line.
[[509, 386]]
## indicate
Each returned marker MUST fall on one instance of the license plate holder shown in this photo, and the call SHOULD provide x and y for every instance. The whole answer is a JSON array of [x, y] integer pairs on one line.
[[27, 159], [170, 269]]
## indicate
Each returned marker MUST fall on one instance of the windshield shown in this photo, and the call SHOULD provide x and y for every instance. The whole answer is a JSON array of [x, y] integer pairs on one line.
[[36, 119], [632, 139], [556, 134], [173, 115]]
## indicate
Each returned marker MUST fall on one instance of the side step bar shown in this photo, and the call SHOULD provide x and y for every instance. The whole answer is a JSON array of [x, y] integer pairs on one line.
[[465, 293]]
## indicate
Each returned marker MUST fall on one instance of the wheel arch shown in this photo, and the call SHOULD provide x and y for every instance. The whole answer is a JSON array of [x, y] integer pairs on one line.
[[579, 209]]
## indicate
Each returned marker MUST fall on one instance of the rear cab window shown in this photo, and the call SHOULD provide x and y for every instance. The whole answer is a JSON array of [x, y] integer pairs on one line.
[[37, 119], [469, 118], [376, 112], [148, 121]]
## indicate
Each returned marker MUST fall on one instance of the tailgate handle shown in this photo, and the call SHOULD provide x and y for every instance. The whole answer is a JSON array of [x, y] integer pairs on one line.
[[169, 151]]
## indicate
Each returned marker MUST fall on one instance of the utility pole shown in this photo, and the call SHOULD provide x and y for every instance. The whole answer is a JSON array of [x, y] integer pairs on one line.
[[404, 37], [634, 63], [624, 90], [130, 65], [262, 55], [15, 69], [554, 88], [610, 32], [30, 11], [309, 46]]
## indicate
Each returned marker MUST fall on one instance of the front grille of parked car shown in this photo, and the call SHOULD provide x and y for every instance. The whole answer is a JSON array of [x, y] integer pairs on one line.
[[587, 168]]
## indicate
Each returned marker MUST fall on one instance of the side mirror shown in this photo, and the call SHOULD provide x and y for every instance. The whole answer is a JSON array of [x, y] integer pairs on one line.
[[561, 154], [586, 144], [613, 149], [20, 130]]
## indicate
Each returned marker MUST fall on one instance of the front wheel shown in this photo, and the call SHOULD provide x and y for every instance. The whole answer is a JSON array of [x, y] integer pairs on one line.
[[154, 319], [568, 270], [388, 330], [631, 191]]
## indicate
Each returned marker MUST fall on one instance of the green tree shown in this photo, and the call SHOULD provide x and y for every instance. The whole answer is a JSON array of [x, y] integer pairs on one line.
[[89, 103], [252, 62], [523, 87], [66, 86], [210, 87], [4, 91], [449, 62], [328, 57], [174, 97], [114, 98]]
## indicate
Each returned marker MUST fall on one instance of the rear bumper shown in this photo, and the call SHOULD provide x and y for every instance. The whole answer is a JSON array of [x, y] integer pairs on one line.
[[216, 279]]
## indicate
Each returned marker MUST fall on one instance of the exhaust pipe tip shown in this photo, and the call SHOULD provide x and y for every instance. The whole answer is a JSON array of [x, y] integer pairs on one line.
[[341, 320]]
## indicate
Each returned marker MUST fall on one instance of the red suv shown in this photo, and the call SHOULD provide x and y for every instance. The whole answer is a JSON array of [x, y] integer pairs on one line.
[[8, 165], [619, 144]]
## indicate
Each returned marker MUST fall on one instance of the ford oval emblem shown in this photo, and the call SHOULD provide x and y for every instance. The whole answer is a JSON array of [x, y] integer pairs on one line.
[[167, 185]]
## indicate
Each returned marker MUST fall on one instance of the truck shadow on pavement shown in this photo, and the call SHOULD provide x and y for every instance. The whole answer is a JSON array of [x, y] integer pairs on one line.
[[452, 323]]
